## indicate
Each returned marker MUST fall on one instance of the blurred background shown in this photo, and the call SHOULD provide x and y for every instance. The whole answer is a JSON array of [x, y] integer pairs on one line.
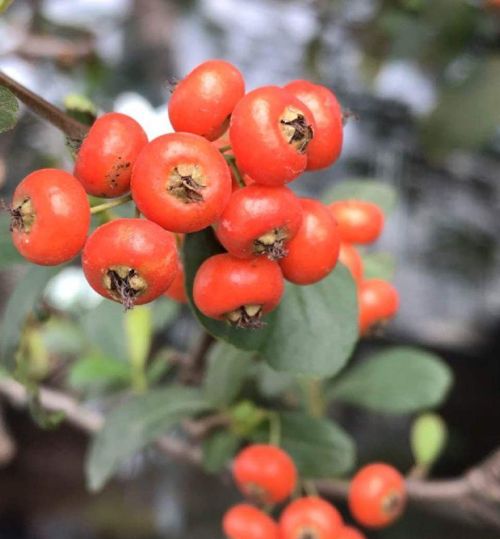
[[422, 77]]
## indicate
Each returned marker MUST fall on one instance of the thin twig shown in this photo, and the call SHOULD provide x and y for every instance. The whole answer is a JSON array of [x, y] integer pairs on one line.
[[70, 127]]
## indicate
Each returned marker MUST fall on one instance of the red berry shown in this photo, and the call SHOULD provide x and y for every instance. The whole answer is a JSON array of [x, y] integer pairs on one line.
[[182, 182], [314, 251], [326, 145], [203, 101], [359, 221], [377, 495], [378, 302], [310, 518], [259, 220], [107, 154], [350, 257], [265, 473], [246, 522], [270, 131], [50, 217], [237, 290], [347, 532], [132, 261], [177, 290]]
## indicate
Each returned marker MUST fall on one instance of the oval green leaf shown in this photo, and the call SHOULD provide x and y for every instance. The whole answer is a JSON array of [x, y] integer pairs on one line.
[[9, 109]]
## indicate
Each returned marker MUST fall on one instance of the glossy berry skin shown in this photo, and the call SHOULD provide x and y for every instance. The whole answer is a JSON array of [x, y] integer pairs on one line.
[[259, 220], [181, 182], [359, 221], [203, 101], [350, 257], [108, 152], [237, 290], [378, 302], [247, 522], [50, 217], [314, 251], [377, 495], [310, 518], [326, 146], [177, 290], [132, 261], [270, 131], [348, 532], [265, 473]]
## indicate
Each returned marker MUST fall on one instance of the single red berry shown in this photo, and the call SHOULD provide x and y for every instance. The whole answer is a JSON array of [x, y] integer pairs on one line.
[[348, 532], [310, 518], [378, 302], [270, 131], [265, 473], [203, 101], [326, 146], [50, 217], [350, 257], [177, 290], [259, 220], [377, 495], [238, 290], [182, 182], [247, 522], [314, 251], [132, 261], [359, 221], [107, 154]]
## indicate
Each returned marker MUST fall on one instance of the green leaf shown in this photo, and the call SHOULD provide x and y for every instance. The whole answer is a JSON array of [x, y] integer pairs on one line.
[[80, 108], [227, 368], [197, 248], [21, 302], [104, 327], [164, 312], [135, 424], [95, 373], [379, 265], [8, 253], [44, 419], [139, 333], [218, 450], [9, 109], [399, 380], [319, 447], [315, 327], [428, 439], [271, 383], [381, 194], [312, 332], [4, 4]]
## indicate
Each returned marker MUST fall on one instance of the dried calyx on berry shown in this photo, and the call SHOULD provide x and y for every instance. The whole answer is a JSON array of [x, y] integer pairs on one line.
[[22, 216], [296, 130], [272, 244], [124, 285], [186, 183], [246, 316]]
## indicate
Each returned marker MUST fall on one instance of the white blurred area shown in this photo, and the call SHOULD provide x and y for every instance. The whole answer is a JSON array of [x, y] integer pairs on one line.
[[69, 291]]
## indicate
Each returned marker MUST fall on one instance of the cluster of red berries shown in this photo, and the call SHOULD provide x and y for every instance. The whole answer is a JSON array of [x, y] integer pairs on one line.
[[226, 166], [267, 476]]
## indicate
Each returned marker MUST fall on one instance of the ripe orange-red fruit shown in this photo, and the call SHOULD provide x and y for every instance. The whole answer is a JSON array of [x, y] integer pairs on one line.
[[348, 532], [107, 154], [132, 261], [259, 220], [265, 473], [238, 290], [270, 131], [326, 146], [246, 522], [310, 517], [182, 182], [314, 251], [350, 257], [50, 217], [377, 495], [177, 290], [203, 101], [378, 302], [359, 221]]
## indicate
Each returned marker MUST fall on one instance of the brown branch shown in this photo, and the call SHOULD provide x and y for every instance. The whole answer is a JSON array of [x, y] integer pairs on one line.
[[70, 127], [473, 497]]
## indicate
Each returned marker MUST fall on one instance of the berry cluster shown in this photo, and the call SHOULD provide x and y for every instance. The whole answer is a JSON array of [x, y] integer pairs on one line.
[[267, 476], [226, 166]]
